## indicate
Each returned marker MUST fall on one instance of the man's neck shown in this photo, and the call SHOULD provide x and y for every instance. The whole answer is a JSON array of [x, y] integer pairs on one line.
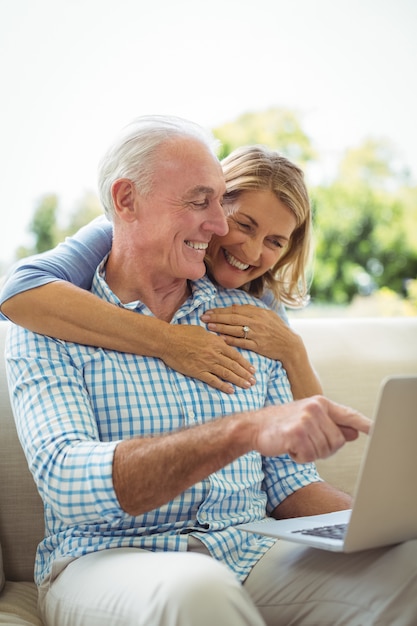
[[165, 302], [162, 296]]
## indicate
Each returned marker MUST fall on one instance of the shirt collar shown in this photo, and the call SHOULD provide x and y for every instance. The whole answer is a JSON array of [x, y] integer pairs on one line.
[[202, 291]]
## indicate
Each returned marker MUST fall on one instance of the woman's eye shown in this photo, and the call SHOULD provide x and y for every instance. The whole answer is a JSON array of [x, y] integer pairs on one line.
[[243, 226]]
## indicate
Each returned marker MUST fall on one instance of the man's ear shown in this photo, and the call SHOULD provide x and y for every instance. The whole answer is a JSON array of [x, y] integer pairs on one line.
[[124, 193]]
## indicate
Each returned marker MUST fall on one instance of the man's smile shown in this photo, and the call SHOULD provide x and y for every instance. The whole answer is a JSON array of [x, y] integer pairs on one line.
[[197, 245]]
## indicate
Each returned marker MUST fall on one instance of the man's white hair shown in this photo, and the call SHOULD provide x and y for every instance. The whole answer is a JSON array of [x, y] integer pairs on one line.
[[133, 154]]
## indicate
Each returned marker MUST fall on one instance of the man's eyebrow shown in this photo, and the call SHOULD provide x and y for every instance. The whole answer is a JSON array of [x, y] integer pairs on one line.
[[201, 189]]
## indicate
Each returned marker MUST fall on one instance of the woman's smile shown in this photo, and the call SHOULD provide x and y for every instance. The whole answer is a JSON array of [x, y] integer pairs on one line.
[[234, 262]]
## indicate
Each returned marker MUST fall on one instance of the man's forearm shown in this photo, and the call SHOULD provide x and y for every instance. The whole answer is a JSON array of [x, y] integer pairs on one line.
[[150, 472]]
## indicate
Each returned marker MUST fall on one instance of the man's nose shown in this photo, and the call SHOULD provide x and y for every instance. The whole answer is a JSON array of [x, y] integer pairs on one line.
[[217, 222]]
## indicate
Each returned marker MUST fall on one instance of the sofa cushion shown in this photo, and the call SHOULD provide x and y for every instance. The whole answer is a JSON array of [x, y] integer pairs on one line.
[[1, 571], [21, 510], [18, 605]]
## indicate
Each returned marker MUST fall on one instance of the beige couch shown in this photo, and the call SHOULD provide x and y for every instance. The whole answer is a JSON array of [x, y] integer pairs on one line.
[[352, 356]]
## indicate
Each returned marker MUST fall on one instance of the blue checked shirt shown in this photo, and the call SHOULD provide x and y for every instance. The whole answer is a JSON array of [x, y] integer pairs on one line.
[[74, 403]]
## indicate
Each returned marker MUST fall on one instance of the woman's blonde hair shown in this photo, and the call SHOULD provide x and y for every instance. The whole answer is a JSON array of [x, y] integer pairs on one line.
[[257, 167]]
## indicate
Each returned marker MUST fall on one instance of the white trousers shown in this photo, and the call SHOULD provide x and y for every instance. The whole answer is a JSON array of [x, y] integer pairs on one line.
[[290, 585]]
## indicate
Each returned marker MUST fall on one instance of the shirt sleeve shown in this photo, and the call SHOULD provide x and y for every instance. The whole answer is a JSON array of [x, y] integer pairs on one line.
[[71, 466], [75, 260], [282, 475], [271, 302]]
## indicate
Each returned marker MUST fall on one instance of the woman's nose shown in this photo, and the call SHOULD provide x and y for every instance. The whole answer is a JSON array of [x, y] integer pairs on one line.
[[252, 249]]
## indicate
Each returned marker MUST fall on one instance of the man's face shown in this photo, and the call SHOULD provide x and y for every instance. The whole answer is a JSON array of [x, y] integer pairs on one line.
[[178, 218]]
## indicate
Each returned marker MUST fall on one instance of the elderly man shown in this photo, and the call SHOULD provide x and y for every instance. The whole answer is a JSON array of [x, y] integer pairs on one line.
[[145, 473]]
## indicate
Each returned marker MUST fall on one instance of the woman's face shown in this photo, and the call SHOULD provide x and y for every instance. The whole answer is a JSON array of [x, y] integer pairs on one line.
[[259, 231]]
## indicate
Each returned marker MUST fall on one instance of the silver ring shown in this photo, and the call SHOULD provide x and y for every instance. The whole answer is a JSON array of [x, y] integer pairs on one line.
[[245, 329]]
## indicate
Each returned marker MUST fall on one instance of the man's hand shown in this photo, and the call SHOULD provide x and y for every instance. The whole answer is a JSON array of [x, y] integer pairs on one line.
[[150, 471], [199, 354], [309, 429]]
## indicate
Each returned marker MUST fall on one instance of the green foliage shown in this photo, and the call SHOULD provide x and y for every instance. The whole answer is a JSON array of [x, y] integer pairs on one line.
[[44, 224], [86, 210], [357, 243], [411, 288], [372, 164], [276, 128], [364, 234], [365, 220], [407, 196]]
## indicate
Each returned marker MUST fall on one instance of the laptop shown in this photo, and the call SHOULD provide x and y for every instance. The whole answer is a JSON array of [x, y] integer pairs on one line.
[[384, 510]]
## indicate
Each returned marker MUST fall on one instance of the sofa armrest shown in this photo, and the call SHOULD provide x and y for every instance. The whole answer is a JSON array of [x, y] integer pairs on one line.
[[352, 356]]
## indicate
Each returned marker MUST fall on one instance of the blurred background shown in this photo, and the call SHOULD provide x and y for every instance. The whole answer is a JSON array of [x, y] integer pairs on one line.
[[329, 83]]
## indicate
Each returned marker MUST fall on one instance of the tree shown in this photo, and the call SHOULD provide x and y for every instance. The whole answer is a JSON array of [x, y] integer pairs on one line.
[[374, 164], [276, 128], [84, 211], [43, 226], [363, 224]]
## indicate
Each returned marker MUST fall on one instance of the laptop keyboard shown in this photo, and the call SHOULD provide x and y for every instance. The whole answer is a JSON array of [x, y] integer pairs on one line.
[[336, 531]]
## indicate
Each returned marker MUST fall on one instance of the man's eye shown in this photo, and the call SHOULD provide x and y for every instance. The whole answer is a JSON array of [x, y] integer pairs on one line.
[[200, 205]]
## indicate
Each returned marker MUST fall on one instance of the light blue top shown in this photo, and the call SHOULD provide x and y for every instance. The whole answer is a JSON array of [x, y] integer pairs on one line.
[[74, 403], [75, 260]]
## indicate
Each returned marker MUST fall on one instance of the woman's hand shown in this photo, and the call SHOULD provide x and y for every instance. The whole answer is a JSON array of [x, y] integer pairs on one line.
[[263, 331], [268, 334], [199, 354]]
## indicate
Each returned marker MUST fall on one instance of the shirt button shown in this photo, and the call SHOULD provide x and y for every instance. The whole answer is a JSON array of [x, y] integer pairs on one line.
[[191, 415]]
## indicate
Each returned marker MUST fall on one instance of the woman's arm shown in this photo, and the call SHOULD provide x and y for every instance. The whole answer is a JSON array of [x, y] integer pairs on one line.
[[42, 294], [268, 335], [61, 310]]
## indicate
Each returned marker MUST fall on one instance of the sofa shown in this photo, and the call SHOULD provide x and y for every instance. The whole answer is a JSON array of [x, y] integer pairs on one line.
[[351, 355]]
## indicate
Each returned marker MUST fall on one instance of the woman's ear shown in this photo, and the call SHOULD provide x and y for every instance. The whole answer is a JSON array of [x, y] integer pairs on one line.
[[124, 194]]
